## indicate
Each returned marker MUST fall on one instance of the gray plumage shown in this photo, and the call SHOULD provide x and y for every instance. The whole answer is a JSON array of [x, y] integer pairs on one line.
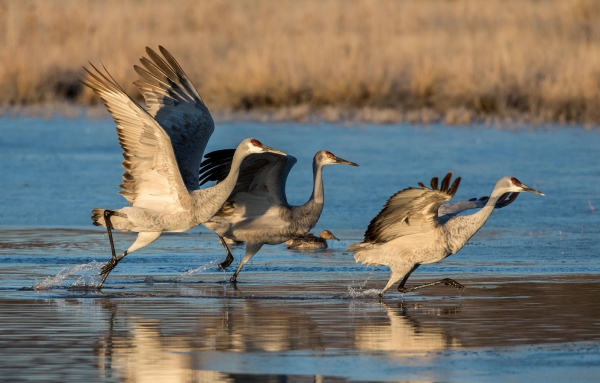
[[309, 241], [162, 150], [409, 231], [257, 211]]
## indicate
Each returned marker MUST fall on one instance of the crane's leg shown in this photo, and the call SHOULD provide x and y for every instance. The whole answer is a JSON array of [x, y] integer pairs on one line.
[[143, 239], [227, 262], [251, 249], [397, 273], [107, 215], [403, 282]]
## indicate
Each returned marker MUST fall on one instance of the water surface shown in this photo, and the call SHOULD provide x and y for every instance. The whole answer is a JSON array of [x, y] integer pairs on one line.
[[167, 314]]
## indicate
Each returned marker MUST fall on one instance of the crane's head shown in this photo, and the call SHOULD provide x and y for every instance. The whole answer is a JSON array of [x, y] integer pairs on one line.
[[512, 184], [327, 158], [252, 145], [326, 234]]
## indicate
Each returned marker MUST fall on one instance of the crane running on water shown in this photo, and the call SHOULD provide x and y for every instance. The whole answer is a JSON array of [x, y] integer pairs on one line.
[[412, 229], [257, 211], [162, 149]]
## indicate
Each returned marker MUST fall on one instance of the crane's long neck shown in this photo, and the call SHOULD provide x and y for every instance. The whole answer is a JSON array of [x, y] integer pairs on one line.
[[209, 200], [307, 215], [231, 179], [318, 194], [463, 228]]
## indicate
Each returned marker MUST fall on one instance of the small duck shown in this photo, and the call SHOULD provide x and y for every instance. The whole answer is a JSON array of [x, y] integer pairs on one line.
[[310, 242]]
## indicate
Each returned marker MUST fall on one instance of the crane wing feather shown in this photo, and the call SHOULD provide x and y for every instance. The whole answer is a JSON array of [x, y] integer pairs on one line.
[[449, 210], [175, 103], [411, 211], [261, 177], [151, 179]]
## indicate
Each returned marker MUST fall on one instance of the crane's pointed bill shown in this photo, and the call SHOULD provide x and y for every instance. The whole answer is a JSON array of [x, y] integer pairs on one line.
[[342, 161], [271, 150], [531, 190], [266, 148]]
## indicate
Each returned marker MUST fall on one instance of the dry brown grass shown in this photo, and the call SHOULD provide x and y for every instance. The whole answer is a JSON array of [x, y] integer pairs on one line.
[[453, 61]]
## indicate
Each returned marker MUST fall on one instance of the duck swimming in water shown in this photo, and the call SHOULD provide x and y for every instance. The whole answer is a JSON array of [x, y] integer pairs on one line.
[[310, 242]]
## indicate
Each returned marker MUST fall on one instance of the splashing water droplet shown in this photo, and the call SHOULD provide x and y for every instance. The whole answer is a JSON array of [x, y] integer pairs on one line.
[[358, 292], [87, 272], [197, 270]]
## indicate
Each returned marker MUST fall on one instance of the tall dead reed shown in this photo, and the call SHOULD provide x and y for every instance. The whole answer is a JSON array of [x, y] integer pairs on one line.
[[447, 59]]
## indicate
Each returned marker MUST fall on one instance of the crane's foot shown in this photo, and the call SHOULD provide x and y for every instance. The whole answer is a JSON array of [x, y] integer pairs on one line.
[[445, 281], [226, 263], [110, 265], [229, 258], [453, 283]]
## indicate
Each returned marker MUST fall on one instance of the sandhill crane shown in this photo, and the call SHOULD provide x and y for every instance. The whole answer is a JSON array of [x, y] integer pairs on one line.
[[409, 231], [162, 149], [257, 212], [308, 241]]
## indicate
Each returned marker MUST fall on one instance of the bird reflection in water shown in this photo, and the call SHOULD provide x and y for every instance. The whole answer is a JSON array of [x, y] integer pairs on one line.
[[405, 333], [134, 348]]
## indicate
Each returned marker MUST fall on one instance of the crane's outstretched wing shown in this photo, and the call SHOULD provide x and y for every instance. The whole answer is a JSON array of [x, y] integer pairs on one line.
[[411, 211], [260, 184], [174, 102], [151, 179], [449, 210]]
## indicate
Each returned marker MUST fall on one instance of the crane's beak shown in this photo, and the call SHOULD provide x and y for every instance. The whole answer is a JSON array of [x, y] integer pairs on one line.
[[271, 150], [531, 190], [342, 161], [334, 237]]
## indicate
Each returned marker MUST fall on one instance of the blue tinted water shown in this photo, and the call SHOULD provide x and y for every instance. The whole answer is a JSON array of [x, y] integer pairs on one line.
[[53, 172]]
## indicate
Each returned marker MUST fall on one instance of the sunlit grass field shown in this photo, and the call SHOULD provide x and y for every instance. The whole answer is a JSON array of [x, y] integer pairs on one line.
[[454, 61]]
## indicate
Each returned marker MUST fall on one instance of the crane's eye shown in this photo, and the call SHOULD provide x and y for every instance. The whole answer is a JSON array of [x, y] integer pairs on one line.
[[329, 154], [256, 142], [516, 182]]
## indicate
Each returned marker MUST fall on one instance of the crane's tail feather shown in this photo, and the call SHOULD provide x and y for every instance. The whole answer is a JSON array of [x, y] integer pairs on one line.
[[118, 221], [365, 253], [98, 217]]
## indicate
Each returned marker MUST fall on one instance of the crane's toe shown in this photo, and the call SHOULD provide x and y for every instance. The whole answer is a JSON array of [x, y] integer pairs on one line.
[[226, 263], [453, 283], [110, 265]]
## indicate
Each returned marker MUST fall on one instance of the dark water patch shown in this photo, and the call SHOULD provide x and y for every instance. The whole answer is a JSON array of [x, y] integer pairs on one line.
[[546, 328]]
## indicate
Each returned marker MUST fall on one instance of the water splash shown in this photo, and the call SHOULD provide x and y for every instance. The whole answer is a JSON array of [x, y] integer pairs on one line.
[[356, 291], [360, 293], [200, 269], [88, 272]]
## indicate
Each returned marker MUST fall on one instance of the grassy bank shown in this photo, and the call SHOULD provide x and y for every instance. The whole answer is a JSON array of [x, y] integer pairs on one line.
[[382, 60]]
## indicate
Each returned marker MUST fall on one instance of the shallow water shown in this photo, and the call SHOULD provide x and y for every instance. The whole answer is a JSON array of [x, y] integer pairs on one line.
[[167, 314]]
